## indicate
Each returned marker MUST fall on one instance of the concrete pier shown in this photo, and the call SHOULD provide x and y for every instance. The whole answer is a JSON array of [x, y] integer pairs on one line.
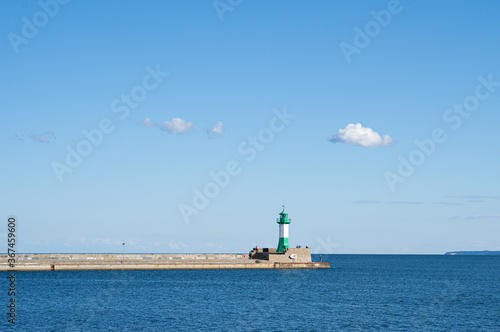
[[70, 262]]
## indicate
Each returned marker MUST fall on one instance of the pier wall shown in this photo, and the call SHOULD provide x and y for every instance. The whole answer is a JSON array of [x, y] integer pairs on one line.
[[103, 258], [61, 262], [181, 266]]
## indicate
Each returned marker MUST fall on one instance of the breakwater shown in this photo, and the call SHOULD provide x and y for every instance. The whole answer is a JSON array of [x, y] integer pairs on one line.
[[69, 262]]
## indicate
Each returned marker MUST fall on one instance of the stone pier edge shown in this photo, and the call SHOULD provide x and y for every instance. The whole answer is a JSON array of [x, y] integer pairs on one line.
[[83, 262]]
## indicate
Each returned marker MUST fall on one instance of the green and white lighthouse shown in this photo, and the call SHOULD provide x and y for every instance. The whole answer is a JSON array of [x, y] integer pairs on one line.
[[283, 222]]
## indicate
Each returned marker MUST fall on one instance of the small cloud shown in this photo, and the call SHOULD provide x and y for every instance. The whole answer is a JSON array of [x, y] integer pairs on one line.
[[16, 137], [46, 137], [447, 203], [356, 134], [176, 245], [215, 131], [178, 126], [145, 123], [39, 138], [484, 216], [148, 123], [405, 202], [110, 241]]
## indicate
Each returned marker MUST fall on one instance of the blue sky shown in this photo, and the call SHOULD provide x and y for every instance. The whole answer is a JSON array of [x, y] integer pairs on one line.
[[313, 104]]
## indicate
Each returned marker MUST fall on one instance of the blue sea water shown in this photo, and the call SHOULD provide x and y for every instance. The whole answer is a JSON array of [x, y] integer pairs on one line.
[[359, 293]]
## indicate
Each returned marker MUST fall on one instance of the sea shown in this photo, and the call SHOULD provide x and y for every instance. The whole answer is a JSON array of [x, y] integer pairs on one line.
[[358, 293]]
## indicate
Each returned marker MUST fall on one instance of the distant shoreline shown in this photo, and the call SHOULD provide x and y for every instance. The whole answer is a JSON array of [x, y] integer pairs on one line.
[[482, 252]]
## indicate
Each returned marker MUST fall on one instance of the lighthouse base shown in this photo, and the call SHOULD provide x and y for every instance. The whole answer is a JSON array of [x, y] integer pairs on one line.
[[283, 244]]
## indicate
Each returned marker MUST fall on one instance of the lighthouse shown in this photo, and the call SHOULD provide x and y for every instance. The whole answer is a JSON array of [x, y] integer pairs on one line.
[[283, 222]]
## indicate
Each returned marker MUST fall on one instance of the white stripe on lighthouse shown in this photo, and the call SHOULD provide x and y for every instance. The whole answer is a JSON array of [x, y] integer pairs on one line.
[[283, 230]]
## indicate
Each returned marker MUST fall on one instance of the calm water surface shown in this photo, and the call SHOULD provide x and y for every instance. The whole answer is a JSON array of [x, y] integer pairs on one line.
[[359, 293]]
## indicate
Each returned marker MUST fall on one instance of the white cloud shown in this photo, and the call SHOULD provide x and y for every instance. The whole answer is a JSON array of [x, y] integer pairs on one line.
[[356, 134], [178, 126], [148, 123], [217, 130], [46, 137], [176, 245]]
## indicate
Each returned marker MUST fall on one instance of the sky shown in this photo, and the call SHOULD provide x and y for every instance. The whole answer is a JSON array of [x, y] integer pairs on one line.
[[176, 126]]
